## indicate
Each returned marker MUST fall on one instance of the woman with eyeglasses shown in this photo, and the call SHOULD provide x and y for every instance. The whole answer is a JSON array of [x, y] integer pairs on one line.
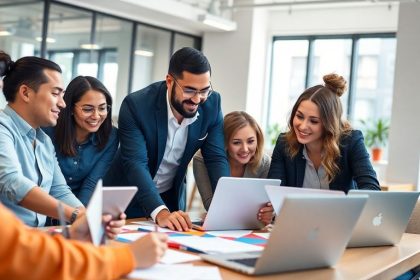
[[85, 140]]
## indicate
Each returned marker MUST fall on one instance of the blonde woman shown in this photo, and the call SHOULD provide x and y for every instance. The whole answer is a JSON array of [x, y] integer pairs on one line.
[[244, 144]]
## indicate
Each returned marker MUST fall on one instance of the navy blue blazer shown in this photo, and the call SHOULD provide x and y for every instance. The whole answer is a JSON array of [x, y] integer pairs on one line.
[[356, 171], [143, 129]]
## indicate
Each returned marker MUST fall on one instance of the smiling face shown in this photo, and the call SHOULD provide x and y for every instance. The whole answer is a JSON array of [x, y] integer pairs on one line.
[[242, 146], [184, 106], [89, 113], [307, 124], [44, 105]]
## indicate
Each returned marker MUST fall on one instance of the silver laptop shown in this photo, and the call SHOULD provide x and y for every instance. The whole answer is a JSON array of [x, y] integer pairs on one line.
[[235, 204], [311, 231], [384, 218], [276, 194]]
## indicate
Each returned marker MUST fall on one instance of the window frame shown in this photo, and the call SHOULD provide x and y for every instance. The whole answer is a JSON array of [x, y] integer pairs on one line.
[[309, 61]]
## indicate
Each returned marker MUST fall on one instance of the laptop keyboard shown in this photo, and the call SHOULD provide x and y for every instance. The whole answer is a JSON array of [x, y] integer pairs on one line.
[[248, 262]]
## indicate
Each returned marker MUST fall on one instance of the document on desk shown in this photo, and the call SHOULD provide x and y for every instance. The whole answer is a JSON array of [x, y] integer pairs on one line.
[[264, 235], [214, 245], [229, 233], [130, 227], [173, 256], [170, 257], [177, 271], [130, 236], [150, 226]]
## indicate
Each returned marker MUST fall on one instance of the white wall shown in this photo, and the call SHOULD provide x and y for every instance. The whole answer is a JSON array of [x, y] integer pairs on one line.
[[334, 20], [404, 144], [229, 55]]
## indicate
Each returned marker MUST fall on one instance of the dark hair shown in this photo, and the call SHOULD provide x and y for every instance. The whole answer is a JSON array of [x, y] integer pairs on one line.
[[65, 131], [190, 60], [327, 98], [28, 70]]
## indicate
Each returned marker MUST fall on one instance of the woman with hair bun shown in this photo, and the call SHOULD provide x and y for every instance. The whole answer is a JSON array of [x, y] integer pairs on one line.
[[320, 149]]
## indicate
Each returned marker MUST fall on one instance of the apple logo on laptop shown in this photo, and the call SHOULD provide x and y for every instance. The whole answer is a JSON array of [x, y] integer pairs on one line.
[[313, 234], [377, 220]]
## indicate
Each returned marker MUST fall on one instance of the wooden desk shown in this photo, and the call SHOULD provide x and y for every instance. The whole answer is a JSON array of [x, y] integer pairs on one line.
[[384, 262]]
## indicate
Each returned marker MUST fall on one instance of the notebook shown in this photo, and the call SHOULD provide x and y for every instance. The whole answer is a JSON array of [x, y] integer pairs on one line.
[[235, 204], [384, 218], [311, 231], [276, 194]]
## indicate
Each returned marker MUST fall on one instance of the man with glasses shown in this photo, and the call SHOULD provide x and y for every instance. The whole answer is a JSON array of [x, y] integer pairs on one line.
[[160, 129]]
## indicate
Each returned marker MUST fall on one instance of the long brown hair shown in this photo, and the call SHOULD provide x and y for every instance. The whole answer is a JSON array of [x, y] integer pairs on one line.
[[239, 119], [327, 98]]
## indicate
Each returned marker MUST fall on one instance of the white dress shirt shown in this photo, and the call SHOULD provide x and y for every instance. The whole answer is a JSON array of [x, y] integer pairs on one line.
[[174, 150], [314, 179]]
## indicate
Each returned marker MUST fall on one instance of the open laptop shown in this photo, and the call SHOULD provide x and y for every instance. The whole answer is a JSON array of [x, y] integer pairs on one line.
[[311, 231], [384, 219], [235, 204], [276, 194]]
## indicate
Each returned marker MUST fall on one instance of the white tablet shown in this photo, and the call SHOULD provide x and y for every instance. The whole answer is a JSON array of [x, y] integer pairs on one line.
[[116, 199]]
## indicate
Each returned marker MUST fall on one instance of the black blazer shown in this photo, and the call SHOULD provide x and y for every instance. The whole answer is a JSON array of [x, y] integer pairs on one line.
[[356, 171], [143, 130]]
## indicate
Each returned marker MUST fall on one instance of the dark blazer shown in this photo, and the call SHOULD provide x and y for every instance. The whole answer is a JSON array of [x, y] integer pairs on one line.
[[356, 171], [143, 129]]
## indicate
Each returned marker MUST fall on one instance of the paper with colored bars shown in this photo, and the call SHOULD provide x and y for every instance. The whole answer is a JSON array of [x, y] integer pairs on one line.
[[204, 242]]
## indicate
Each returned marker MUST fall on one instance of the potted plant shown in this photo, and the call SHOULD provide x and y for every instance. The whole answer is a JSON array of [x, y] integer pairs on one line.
[[273, 132], [376, 136]]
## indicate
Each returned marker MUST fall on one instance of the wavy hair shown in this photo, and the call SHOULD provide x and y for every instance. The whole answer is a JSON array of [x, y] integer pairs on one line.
[[327, 98], [236, 120]]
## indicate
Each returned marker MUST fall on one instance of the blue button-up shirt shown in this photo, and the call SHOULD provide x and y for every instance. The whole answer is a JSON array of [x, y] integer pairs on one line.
[[27, 160], [83, 171]]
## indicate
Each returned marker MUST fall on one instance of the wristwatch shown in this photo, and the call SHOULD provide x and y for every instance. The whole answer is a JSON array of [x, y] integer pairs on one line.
[[74, 215]]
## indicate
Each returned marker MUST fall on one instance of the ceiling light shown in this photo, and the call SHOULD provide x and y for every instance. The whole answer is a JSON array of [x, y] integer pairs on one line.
[[217, 22], [5, 33], [144, 53], [49, 39], [90, 46]]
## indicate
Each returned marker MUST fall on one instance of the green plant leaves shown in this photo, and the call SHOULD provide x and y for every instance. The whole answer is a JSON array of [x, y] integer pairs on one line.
[[376, 132]]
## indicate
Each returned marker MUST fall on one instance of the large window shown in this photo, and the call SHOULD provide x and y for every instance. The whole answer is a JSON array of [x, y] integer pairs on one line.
[[365, 61], [20, 30], [125, 55], [151, 57]]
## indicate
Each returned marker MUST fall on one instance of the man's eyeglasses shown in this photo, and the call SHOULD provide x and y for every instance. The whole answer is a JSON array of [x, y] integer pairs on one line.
[[88, 110], [190, 93]]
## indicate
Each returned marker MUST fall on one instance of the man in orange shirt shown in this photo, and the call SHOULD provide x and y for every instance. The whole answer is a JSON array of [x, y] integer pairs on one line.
[[27, 253]]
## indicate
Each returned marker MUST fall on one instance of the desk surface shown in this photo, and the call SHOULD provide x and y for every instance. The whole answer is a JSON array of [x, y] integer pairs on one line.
[[385, 262]]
